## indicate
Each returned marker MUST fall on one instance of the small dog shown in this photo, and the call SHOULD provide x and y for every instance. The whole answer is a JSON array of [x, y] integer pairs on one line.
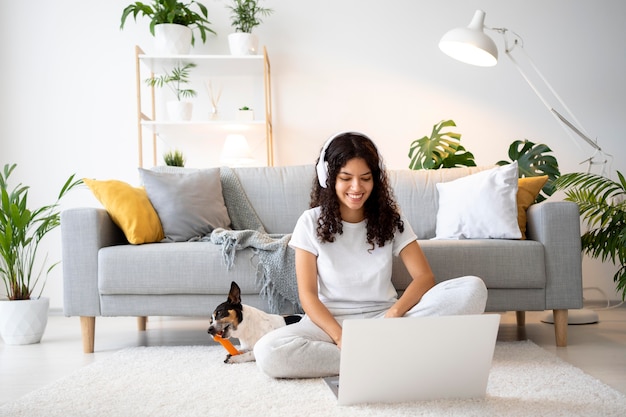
[[246, 323]]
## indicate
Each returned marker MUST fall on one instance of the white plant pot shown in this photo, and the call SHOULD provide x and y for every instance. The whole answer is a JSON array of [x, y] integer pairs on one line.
[[179, 110], [172, 39], [245, 115], [243, 44], [23, 322]]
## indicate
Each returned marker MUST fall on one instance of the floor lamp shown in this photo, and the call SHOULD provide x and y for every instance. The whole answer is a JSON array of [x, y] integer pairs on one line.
[[471, 45]]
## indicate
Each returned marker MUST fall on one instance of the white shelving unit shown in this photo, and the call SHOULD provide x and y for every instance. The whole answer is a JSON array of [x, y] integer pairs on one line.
[[243, 72]]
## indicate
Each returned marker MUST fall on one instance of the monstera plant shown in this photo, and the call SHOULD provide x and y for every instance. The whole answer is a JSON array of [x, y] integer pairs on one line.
[[602, 205], [533, 161], [440, 149]]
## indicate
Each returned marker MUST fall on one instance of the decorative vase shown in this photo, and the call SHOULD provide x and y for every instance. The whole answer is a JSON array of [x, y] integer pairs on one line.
[[179, 110], [172, 39], [241, 43], [23, 322]]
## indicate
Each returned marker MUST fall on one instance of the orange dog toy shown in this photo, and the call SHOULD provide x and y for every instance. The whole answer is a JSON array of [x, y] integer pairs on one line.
[[227, 345]]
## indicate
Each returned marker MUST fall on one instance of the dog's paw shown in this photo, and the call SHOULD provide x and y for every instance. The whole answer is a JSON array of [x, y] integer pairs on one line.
[[247, 356]]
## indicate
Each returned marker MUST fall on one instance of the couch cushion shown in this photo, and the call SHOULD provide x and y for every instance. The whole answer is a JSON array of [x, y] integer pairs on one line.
[[129, 208], [290, 190], [528, 189], [500, 263], [480, 206], [189, 203], [416, 193], [174, 268]]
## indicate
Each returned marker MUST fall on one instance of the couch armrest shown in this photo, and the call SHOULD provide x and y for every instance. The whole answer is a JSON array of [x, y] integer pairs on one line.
[[556, 224], [83, 232]]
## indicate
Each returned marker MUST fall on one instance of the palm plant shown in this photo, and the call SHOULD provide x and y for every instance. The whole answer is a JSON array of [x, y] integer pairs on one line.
[[246, 15], [171, 11], [602, 204], [440, 150], [174, 80], [21, 231]]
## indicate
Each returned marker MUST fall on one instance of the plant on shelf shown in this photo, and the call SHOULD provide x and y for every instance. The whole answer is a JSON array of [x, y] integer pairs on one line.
[[174, 158], [175, 80], [440, 150], [602, 205], [21, 231], [245, 16], [171, 12], [533, 162]]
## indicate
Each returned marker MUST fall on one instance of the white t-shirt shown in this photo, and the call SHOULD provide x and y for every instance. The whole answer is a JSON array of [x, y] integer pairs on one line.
[[351, 276]]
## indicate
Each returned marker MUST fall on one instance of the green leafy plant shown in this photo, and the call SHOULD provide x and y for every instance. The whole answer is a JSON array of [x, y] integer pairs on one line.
[[440, 149], [174, 158], [246, 15], [533, 161], [174, 80], [244, 108], [171, 11], [21, 231], [602, 205]]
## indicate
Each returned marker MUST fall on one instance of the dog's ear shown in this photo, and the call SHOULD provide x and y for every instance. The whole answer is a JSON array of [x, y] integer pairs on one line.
[[234, 296]]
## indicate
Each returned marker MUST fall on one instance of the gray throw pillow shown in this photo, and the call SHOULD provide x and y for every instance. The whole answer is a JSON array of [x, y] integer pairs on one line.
[[189, 203]]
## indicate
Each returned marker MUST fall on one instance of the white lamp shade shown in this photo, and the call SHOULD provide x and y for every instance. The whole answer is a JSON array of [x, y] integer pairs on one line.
[[470, 44], [236, 151]]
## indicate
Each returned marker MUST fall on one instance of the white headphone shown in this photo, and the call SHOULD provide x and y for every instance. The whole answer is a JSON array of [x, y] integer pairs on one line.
[[322, 165]]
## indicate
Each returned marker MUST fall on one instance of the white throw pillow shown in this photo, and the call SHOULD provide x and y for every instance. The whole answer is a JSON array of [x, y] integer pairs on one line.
[[479, 206]]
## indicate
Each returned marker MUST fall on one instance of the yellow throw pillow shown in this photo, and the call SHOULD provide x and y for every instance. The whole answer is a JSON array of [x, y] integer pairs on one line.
[[528, 189], [129, 208]]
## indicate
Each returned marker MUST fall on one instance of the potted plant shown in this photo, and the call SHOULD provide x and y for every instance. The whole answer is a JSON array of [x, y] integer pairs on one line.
[[245, 114], [171, 23], [174, 158], [440, 150], [177, 109], [532, 161], [245, 16], [602, 204], [23, 317]]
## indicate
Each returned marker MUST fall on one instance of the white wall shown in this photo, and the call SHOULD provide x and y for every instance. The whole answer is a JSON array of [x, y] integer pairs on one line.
[[68, 92]]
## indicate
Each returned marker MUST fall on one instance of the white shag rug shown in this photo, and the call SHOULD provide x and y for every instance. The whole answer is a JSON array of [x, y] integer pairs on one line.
[[184, 381]]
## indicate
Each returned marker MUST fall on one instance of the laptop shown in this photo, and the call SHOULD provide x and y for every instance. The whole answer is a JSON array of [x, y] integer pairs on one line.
[[415, 358]]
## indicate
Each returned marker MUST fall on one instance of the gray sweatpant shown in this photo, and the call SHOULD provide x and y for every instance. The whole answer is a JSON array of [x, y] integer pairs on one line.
[[303, 350]]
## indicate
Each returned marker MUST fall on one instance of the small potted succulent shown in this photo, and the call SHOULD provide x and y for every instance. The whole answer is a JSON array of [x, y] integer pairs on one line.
[[171, 23], [23, 317], [178, 109], [245, 114], [245, 16]]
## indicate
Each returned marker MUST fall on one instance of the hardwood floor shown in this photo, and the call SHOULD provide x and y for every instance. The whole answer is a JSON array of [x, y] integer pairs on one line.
[[598, 349]]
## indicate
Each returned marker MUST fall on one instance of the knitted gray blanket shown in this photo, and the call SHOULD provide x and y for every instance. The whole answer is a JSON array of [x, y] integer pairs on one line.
[[276, 270]]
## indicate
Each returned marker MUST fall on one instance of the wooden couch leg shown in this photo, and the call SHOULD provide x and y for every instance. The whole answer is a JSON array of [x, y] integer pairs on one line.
[[560, 327], [141, 323], [520, 316], [88, 331]]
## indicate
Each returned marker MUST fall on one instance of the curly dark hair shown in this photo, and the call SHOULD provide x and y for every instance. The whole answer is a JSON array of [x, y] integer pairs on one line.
[[381, 210]]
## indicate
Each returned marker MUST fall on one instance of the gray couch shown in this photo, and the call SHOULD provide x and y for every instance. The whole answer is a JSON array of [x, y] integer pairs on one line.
[[104, 275]]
